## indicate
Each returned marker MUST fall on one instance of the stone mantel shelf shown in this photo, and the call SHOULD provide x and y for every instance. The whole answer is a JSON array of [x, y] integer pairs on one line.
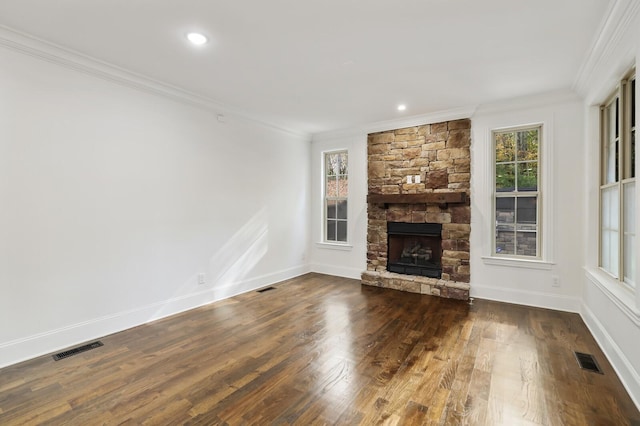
[[440, 198]]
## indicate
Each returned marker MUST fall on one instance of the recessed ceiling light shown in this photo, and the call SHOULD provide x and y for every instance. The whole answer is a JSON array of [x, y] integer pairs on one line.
[[197, 38], [402, 107]]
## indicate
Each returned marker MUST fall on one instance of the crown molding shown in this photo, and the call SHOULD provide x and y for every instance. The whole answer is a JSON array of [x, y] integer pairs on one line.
[[529, 102], [381, 126], [618, 20], [70, 59], [417, 120], [513, 104]]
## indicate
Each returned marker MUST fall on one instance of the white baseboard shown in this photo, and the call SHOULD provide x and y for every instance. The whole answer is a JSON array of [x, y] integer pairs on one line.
[[19, 350], [527, 298], [620, 363], [339, 271]]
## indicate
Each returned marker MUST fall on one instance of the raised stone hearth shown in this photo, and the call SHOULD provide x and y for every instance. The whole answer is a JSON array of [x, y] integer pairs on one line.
[[439, 154]]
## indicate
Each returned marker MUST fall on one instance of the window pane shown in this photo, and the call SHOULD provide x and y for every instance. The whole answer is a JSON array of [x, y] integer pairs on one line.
[[633, 153], [527, 213], [629, 232], [342, 163], [617, 118], [612, 162], [342, 230], [343, 186], [505, 240], [614, 208], [611, 142], [342, 209], [630, 207], [613, 155], [505, 210], [332, 186], [526, 243], [605, 216], [633, 103], [609, 252], [527, 176], [333, 164], [331, 230], [528, 145], [505, 177], [505, 147], [331, 209], [505, 220], [633, 129]]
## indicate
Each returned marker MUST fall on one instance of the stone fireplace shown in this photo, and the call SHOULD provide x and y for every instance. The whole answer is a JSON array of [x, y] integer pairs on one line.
[[419, 214]]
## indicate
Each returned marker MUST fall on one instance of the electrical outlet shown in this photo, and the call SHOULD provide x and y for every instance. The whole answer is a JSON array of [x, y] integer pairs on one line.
[[555, 281], [201, 279]]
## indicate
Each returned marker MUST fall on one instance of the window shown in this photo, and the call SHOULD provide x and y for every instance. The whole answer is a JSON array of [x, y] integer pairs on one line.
[[618, 183], [516, 195], [336, 189]]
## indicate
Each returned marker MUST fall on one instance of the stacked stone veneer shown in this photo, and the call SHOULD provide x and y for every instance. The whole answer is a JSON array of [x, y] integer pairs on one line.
[[440, 154]]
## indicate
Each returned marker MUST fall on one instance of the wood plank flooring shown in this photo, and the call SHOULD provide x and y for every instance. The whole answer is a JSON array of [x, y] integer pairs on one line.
[[325, 350]]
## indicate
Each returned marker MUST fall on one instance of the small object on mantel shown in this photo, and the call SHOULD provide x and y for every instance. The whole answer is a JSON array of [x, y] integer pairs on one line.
[[440, 198]]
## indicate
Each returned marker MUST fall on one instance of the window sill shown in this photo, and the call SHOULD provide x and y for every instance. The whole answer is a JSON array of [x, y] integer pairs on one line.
[[616, 292], [518, 263], [334, 246]]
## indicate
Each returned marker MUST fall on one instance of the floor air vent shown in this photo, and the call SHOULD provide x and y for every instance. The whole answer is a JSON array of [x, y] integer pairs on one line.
[[262, 290], [75, 351], [588, 362]]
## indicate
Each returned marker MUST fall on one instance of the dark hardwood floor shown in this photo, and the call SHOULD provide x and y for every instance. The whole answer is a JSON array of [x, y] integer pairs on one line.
[[324, 350]]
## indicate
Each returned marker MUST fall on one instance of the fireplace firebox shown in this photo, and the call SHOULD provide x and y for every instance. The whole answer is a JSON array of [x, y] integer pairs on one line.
[[415, 248]]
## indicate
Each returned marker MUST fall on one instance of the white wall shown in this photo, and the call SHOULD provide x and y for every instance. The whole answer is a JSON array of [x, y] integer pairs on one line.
[[561, 186], [113, 200], [342, 260], [611, 312]]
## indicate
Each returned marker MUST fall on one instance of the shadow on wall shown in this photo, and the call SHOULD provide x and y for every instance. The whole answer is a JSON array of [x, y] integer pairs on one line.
[[238, 256], [228, 267]]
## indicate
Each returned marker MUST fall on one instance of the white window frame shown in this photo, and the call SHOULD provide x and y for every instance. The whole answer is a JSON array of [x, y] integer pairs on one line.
[[621, 270], [325, 198], [517, 195]]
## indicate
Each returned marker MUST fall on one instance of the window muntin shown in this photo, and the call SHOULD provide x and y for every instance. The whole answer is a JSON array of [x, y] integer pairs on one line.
[[617, 189], [336, 189], [516, 199]]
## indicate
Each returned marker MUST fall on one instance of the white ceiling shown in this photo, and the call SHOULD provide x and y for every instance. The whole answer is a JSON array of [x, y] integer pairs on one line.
[[314, 66]]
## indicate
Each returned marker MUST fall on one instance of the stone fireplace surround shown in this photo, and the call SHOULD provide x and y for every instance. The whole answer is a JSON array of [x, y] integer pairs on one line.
[[440, 154]]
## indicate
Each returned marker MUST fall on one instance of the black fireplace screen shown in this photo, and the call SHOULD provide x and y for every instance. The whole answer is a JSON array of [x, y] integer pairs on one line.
[[415, 248]]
